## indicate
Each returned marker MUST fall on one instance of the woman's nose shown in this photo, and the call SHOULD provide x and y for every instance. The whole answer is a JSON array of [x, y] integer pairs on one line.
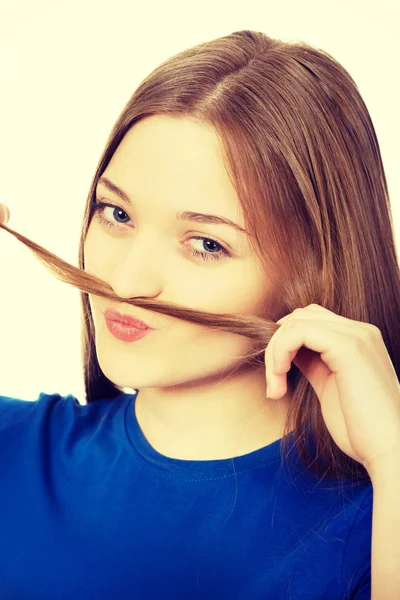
[[139, 273]]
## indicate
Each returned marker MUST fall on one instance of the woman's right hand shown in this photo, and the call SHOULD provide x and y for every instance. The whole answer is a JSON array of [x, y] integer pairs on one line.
[[4, 214]]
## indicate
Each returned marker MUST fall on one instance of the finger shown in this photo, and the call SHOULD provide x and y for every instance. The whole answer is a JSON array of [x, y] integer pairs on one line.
[[311, 345], [276, 374], [4, 214]]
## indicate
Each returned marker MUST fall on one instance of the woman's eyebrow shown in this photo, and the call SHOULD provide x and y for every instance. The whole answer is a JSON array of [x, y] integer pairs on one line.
[[183, 216]]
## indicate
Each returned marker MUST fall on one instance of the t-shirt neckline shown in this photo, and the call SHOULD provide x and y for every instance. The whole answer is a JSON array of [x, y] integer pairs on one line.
[[153, 460]]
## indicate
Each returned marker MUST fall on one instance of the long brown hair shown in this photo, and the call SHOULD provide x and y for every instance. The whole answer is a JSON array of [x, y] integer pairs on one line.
[[303, 155]]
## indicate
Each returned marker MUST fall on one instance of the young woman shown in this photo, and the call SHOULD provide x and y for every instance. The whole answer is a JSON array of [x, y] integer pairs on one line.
[[242, 183]]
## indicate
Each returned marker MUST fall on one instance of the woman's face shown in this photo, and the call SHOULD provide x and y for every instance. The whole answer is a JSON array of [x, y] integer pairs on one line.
[[167, 166]]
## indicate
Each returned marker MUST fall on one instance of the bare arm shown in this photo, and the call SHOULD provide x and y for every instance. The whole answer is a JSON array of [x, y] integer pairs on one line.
[[385, 556]]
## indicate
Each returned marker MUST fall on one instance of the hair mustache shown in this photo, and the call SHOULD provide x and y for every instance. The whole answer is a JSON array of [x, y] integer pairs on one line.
[[250, 326]]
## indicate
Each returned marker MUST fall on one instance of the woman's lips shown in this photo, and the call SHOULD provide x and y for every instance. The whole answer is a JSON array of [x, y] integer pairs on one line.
[[124, 332], [114, 315], [125, 327]]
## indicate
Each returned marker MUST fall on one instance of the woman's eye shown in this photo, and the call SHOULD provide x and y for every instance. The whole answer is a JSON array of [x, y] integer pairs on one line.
[[214, 255], [114, 212], [115, 220]]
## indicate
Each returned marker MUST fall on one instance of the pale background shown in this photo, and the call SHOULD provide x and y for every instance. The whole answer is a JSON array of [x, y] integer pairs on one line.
[[67, 68]]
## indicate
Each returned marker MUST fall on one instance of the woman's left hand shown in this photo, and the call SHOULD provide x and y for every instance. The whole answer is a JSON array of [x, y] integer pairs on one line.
[[349, 368]]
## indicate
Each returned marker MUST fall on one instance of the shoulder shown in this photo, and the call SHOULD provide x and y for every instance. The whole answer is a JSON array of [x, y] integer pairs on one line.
[[18, 415]]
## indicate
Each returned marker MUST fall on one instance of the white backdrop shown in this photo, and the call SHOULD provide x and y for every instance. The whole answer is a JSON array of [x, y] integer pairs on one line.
[[67, 68]]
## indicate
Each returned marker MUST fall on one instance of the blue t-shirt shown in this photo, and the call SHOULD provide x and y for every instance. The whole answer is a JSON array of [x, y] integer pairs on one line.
[[90, 510]]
